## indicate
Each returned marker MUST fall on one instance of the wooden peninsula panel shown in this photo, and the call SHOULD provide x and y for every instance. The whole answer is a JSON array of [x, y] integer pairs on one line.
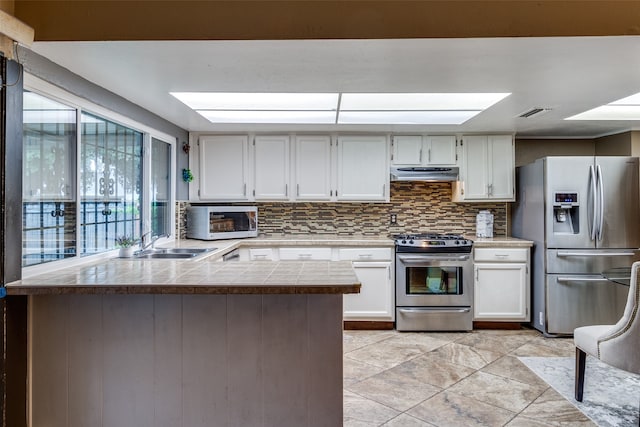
[[157, 343]]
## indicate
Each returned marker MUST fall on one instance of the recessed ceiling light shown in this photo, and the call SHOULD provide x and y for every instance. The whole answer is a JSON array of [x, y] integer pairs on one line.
[[258, 101], [418, 101], [283, 117], [353, 108], [406, 117], [623, 109], [610, 112]]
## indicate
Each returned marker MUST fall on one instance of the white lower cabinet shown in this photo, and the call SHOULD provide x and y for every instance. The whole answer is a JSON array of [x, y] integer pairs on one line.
[[373, 267], [375, 302], [501, 285], [305, 254]]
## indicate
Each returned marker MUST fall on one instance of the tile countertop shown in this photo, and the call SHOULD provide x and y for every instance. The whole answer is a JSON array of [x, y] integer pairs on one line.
[[204, 275], [500, 242], [117, 276]]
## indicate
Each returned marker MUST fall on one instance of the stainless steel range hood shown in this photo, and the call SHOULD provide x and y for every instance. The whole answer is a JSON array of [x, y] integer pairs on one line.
[[429, 174]]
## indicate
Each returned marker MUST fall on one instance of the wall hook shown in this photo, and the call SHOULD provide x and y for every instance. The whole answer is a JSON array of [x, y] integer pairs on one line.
[[186, 147]]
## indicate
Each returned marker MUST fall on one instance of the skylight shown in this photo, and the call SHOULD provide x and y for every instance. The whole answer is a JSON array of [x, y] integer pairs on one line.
[[623, 109], [335, 108]]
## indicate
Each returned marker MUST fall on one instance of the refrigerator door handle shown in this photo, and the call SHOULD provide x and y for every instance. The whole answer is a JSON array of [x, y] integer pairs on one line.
[[595, 254], [592, 176], [567, 279], [600, 184]]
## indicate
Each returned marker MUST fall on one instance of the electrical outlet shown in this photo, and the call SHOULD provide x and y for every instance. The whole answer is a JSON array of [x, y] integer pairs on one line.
[[393, 219]]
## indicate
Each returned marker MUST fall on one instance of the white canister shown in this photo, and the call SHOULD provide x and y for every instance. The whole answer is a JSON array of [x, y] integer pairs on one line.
[[484, 224]]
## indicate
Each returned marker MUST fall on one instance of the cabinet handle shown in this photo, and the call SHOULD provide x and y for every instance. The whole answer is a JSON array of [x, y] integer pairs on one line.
[[297, 189], [304, 256], [490, 189], [502, 256], [244, 189], [420, 157], [429, 155], [368, 256], [384, 187], [286, 189]]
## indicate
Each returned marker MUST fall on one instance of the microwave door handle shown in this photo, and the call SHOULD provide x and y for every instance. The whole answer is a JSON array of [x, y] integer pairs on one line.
[[600, 183], [593, 206]]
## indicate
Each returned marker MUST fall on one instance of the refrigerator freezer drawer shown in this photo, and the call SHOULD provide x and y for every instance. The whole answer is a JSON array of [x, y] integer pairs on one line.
[[575, 300], [589, 261]]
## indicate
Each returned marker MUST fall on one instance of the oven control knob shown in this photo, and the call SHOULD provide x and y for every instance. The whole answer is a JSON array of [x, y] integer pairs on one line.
[[404, 242], [411, 242], [457, 242]]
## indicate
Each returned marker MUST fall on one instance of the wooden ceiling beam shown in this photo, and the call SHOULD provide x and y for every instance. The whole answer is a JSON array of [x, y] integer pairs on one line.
[[15, 29], [76, 20]]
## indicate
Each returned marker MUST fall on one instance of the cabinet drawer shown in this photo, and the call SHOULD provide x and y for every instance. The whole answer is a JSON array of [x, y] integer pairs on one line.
[[364, 254], [501, 254], [315, 254], [261, 254]]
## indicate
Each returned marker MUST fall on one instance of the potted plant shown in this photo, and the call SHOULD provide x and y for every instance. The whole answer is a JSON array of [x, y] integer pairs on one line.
[[126, 244]]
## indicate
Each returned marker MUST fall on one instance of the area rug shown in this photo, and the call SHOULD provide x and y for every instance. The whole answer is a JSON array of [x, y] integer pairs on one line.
[[611, 396]]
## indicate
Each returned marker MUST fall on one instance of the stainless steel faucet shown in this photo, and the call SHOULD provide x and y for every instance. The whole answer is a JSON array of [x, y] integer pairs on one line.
[[144, 244]]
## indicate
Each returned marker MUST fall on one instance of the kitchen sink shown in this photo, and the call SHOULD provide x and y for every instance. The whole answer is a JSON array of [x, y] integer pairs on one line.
[[172, 253], [164, 255]]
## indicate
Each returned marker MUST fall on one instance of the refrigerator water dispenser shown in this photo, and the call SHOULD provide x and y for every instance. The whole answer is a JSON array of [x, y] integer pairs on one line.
[[566, 218]]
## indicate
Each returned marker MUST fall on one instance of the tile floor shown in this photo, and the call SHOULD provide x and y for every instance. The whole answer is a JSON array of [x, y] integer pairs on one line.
[[452, 379]]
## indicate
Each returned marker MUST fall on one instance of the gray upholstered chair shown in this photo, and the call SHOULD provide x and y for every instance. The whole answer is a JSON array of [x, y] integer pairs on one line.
[[616, 345]]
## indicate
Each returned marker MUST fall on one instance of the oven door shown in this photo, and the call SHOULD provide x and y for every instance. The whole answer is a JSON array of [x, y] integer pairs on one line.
[[434, 280]]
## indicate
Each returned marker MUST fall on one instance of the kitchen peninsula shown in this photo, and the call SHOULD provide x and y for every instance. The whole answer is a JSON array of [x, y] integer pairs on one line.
[[204, 343]]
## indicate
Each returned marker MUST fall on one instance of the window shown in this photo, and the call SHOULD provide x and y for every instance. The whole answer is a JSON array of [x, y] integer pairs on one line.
[[161, 171], [110, 183], [48, 180], [86, 181]]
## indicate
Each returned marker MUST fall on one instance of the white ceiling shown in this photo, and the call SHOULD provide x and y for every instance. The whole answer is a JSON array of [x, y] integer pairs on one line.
[[567, 74]]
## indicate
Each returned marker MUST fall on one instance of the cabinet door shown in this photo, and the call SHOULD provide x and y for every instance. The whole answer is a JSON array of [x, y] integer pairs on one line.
[[407, 150], [363, 168], [501, 292], [261, 254], [305, 254], [474, 167], [441, 150], [375, 300], [313, 168], [501, 167], [271, 167], [223, 167]]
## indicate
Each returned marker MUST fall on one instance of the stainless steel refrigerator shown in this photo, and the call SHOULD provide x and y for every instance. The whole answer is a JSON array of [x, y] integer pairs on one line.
[[583, 215]]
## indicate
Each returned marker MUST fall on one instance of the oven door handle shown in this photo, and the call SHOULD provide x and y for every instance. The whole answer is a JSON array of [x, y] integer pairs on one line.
[[432, 309], [423, 260]]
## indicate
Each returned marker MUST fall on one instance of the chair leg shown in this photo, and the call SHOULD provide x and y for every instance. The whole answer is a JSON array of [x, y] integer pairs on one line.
[[581, 358]]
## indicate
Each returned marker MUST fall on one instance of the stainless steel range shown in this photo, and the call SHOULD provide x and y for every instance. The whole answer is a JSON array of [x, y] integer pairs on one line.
[[434, 282]]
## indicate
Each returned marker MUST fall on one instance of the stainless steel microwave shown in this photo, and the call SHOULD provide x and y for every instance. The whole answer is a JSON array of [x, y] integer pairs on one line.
[[222, 222]]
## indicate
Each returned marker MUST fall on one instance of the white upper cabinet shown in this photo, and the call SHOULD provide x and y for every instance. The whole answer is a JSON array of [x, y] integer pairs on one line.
[[223, 167], [271, 167], [313, 167], [487, 169], [441, 150], [415, 150], [363, 168], [407, 150]]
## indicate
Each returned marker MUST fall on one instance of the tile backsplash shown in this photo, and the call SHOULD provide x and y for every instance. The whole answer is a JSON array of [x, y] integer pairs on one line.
[[418, 206]]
